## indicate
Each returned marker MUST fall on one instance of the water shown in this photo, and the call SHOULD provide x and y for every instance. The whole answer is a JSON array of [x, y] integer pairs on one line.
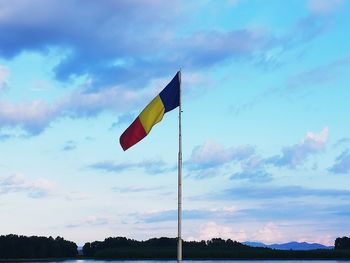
[[193, 261]]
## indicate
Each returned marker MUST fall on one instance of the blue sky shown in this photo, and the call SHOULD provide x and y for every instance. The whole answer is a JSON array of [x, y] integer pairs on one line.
[[265, 124]]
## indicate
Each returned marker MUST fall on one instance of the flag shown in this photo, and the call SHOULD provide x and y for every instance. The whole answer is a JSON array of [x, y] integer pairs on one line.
[[167, 100]]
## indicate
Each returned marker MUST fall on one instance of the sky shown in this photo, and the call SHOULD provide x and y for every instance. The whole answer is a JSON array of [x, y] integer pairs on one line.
[[266, 133]]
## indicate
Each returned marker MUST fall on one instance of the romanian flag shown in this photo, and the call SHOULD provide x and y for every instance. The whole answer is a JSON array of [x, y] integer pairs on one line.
[[167, 100]]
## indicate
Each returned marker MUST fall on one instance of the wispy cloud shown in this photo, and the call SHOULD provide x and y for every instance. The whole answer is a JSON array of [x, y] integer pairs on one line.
[[342, 163], [206, 160], [117, 65], [342, 141], [276, 192], [91, 221], [171, 215], [122, 57], [77, 196], [35, 116], [4, 74], [253, 176], [295, 155], [149, 166], [39, 188], [69, 146], [4, 137], [322, 7], [135, 189], [320, 75], [212, 229], [253, 170], [211, 154], [299, 82], [123, 119]]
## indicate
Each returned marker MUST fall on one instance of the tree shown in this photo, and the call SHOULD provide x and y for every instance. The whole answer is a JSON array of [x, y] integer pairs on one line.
[[342, 243]]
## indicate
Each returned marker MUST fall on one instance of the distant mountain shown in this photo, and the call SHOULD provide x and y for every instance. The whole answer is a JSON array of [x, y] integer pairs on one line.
[[254, 244], [290, 246]]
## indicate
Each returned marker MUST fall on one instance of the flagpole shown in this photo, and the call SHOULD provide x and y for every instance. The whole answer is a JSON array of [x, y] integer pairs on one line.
[[179, 189]]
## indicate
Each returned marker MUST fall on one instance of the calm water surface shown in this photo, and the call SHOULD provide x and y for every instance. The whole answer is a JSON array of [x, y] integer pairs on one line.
[[198, 261]]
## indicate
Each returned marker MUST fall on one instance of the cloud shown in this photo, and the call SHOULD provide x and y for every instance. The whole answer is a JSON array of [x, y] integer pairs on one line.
[[212, 154], [149, 166], [97, 42], [18, 183], [295, 155], [276, 192], [257, 99], [95, 35], [305, 30], [320, 75], [69, 146], [324, 7], [110, 42], [211, 230], [35, 116], [342, 141], [135, 189], [40, 188], [194, 214], [206, 48], [4, 137], [342, 164], [253, 170], [4, 74], [125, 118], [77, 196], [91, 221], [269, 233], [253, 176]]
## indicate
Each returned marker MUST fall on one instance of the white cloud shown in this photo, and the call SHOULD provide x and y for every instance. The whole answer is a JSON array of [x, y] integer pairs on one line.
[[327, 240], [91, 221], [323, 7], [4, 74], [314, 141], [268, 234], [342, 164], [18, 183], [77, 196], [295, 155], [33, 116], [36, 115], [213, 230], [40, 188], [211, 154]]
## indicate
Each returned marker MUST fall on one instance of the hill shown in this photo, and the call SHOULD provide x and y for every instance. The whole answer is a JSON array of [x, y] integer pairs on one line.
[[290, 245]]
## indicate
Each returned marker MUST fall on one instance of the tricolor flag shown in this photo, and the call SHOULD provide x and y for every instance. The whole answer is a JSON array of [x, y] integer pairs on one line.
[[167, 100]]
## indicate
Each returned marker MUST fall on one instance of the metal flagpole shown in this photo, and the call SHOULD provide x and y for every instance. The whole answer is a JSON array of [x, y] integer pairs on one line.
[[179, 189]]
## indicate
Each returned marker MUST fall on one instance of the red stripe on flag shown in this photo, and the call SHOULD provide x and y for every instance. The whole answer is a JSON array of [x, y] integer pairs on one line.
[[132, 135]]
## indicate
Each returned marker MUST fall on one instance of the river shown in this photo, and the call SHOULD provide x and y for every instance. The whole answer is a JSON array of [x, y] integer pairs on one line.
[[194, 261]]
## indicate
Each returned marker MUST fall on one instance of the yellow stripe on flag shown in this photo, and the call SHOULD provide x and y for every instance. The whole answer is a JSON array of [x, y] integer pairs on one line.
[[152, 114]]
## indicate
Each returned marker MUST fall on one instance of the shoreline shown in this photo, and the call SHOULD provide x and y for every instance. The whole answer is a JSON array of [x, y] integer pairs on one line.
[[171, 259]]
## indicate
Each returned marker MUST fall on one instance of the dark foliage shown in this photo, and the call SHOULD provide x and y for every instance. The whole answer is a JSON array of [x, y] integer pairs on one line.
[[342, 243], [216, 248], [14, 246]]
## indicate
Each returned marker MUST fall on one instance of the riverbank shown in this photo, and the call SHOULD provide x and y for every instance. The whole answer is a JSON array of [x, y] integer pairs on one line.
[[209, 254]]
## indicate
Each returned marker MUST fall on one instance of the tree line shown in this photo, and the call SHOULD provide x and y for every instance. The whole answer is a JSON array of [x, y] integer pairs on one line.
[[14, 246], [216, 248], [342, 243], [122, 247]]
